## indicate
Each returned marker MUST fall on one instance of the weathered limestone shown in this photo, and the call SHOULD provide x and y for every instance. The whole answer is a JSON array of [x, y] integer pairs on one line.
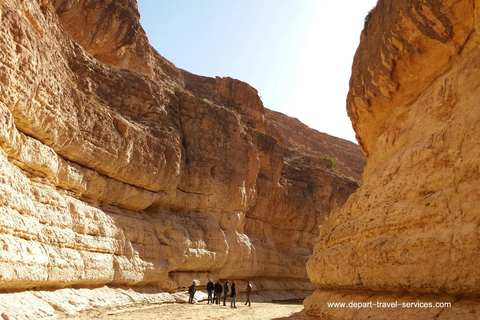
[[410, 233], [119, 170]]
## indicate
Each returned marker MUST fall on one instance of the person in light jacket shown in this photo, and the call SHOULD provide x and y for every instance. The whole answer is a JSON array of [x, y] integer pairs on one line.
[[226, 290], [249, 292]]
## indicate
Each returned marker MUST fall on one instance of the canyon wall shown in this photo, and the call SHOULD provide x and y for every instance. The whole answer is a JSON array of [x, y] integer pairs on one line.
[[410, 233], [119, 170]]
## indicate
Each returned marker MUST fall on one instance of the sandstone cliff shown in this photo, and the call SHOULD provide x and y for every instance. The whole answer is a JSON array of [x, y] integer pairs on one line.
[[119, 169], [410, 233]]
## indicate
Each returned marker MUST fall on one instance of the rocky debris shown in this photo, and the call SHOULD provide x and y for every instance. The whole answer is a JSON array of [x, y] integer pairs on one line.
[[409, 233], [118, 169]]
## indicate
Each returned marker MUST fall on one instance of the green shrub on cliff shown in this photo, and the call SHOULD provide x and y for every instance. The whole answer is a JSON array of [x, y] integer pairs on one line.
[[330, 161]]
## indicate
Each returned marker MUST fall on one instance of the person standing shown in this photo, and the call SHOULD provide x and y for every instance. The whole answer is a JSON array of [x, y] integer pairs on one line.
[[210, 290], [214, 295], [192, 291], [226, 290], [249, 292], [218, 291], [233, 295]]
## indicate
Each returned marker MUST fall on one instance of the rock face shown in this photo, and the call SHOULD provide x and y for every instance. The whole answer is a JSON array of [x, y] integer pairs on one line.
[[410, 233], [119, 169]]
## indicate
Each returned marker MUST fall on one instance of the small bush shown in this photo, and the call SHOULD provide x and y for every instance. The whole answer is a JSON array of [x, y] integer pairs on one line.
[[178, 88], [297, 160], [330, 161]]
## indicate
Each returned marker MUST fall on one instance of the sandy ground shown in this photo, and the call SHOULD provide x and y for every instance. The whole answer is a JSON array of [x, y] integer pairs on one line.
[[199, 311]]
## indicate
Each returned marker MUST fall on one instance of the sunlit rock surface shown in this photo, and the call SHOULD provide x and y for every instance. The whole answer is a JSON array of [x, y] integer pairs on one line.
[[410, 232], [118, 169]]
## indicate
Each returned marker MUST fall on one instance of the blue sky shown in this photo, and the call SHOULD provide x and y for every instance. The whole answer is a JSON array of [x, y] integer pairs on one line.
[[296, 53]]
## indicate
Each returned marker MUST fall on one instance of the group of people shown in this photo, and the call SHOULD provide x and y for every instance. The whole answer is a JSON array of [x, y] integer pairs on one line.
[[215, 292]]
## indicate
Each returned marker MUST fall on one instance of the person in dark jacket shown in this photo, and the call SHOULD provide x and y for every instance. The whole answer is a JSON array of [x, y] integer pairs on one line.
[[218, 291], [226, 290], [233, 295], [192, 291], [214, 294], [210, 290]]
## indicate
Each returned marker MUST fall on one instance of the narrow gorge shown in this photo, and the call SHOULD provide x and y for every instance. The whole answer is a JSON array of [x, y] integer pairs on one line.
[[123, 178]]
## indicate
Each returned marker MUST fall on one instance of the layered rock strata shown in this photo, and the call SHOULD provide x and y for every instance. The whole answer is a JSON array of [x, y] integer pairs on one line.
[[119, 169], [410, 233]]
